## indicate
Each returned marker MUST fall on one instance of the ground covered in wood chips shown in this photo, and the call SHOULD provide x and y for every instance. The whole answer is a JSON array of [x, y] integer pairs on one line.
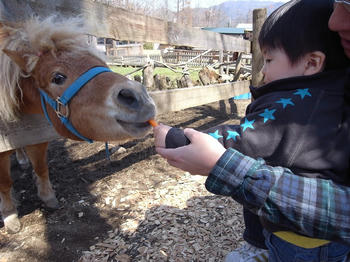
[[132, 208]]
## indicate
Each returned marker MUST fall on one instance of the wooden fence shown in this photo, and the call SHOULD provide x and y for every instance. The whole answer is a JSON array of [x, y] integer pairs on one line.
[[182, 56], [179, 57]]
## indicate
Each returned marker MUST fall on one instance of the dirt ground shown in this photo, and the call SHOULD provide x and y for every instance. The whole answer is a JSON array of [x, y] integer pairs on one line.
[[132, 208]]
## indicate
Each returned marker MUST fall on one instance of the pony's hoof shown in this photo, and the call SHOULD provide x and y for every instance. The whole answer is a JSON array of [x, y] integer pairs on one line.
[[22, 159], [23, 164], [52, 203], [12, 224]]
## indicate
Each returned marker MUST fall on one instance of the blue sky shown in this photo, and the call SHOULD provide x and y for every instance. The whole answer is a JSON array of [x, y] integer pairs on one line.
[[207, 3]]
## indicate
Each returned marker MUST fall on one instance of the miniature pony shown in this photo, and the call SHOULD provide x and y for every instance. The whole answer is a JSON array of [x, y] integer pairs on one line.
[[47, 67]]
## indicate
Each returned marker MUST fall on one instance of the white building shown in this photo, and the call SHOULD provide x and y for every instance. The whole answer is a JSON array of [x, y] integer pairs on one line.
[[245, 26]]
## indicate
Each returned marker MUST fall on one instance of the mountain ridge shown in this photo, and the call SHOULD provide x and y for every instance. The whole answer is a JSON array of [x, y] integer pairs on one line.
[[241, 11]]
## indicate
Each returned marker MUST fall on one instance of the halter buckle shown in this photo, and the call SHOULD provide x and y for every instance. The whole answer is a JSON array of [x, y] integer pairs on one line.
[[58, 110]]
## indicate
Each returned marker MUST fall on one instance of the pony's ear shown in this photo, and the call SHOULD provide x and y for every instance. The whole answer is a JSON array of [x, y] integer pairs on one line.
[[3, 32], [18, 58]]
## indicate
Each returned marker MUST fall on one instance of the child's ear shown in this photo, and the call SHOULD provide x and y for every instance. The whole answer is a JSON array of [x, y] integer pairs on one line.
[[315, 62]]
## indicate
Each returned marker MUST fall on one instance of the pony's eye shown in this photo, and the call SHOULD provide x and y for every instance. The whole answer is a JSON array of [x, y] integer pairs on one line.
[[58, 79]]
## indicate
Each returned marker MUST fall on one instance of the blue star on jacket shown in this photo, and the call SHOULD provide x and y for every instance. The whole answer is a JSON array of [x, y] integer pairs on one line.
[[232, 134], [302, 92], [268, 115], [247, 124], [285, 102], [216, 135]]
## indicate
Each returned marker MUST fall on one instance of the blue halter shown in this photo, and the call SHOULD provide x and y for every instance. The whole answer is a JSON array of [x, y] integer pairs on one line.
[[67, 95]]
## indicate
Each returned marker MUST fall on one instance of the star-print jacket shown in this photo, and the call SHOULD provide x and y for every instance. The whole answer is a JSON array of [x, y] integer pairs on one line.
[[300, 123]]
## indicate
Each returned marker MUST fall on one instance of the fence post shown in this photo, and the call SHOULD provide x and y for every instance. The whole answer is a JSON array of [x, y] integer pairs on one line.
[[222, 103], [228, 61], [238, 66], [259, 16], [147, 74], [221, 60]]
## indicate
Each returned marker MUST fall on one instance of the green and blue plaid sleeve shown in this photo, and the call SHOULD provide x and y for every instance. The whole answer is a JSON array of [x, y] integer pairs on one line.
[[315, 207]]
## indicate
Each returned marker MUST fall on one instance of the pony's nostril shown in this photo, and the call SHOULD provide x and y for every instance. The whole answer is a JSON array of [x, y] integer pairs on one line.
[[127, 97]]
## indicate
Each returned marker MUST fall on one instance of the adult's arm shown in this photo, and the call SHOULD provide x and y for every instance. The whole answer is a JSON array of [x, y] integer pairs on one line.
[[315, 207]]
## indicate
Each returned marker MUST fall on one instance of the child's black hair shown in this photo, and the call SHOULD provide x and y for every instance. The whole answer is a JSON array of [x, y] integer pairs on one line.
[[301, 26]]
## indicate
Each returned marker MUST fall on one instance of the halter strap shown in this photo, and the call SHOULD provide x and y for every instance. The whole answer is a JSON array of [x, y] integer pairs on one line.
[[80, 82], [67, 95]]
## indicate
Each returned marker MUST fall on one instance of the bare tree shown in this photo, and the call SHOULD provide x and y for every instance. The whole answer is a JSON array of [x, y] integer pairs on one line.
[[146, 7], [182, 11], [178, 11]]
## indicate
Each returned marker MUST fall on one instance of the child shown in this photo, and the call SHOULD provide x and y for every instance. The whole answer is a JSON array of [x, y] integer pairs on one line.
[[288, 124]]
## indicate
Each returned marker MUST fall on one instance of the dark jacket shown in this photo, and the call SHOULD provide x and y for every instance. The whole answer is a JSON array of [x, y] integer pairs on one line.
[[301, 123]]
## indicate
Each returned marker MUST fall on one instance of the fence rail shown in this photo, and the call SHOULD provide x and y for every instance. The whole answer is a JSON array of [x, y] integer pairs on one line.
[[178, 57]]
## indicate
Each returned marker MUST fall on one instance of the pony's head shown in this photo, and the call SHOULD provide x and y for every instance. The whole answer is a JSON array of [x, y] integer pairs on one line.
[[49, 55]]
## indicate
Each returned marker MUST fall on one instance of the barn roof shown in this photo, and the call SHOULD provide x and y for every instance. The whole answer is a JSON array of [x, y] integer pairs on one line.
[[225, 30]]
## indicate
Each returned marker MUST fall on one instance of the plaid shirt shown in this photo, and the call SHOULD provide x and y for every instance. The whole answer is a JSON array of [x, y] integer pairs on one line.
[[315, 207]]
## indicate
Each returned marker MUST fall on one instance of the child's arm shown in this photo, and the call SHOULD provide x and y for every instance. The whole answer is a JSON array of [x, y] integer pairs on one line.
[[160, 132], [172, 137], [199, 157]]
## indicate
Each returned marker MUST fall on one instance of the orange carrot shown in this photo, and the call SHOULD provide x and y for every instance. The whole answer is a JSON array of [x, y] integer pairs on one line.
[[152, 122]]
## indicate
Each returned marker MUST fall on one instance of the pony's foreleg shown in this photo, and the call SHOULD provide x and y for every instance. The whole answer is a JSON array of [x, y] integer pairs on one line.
[[7, 208], [38, 157], [22, 158]]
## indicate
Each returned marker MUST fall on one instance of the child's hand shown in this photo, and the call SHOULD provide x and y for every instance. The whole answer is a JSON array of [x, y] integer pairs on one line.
[[199, 157], [160, 132]]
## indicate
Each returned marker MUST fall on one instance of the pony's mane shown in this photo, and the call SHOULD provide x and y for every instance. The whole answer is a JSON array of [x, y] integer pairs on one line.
[[34, 37]]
